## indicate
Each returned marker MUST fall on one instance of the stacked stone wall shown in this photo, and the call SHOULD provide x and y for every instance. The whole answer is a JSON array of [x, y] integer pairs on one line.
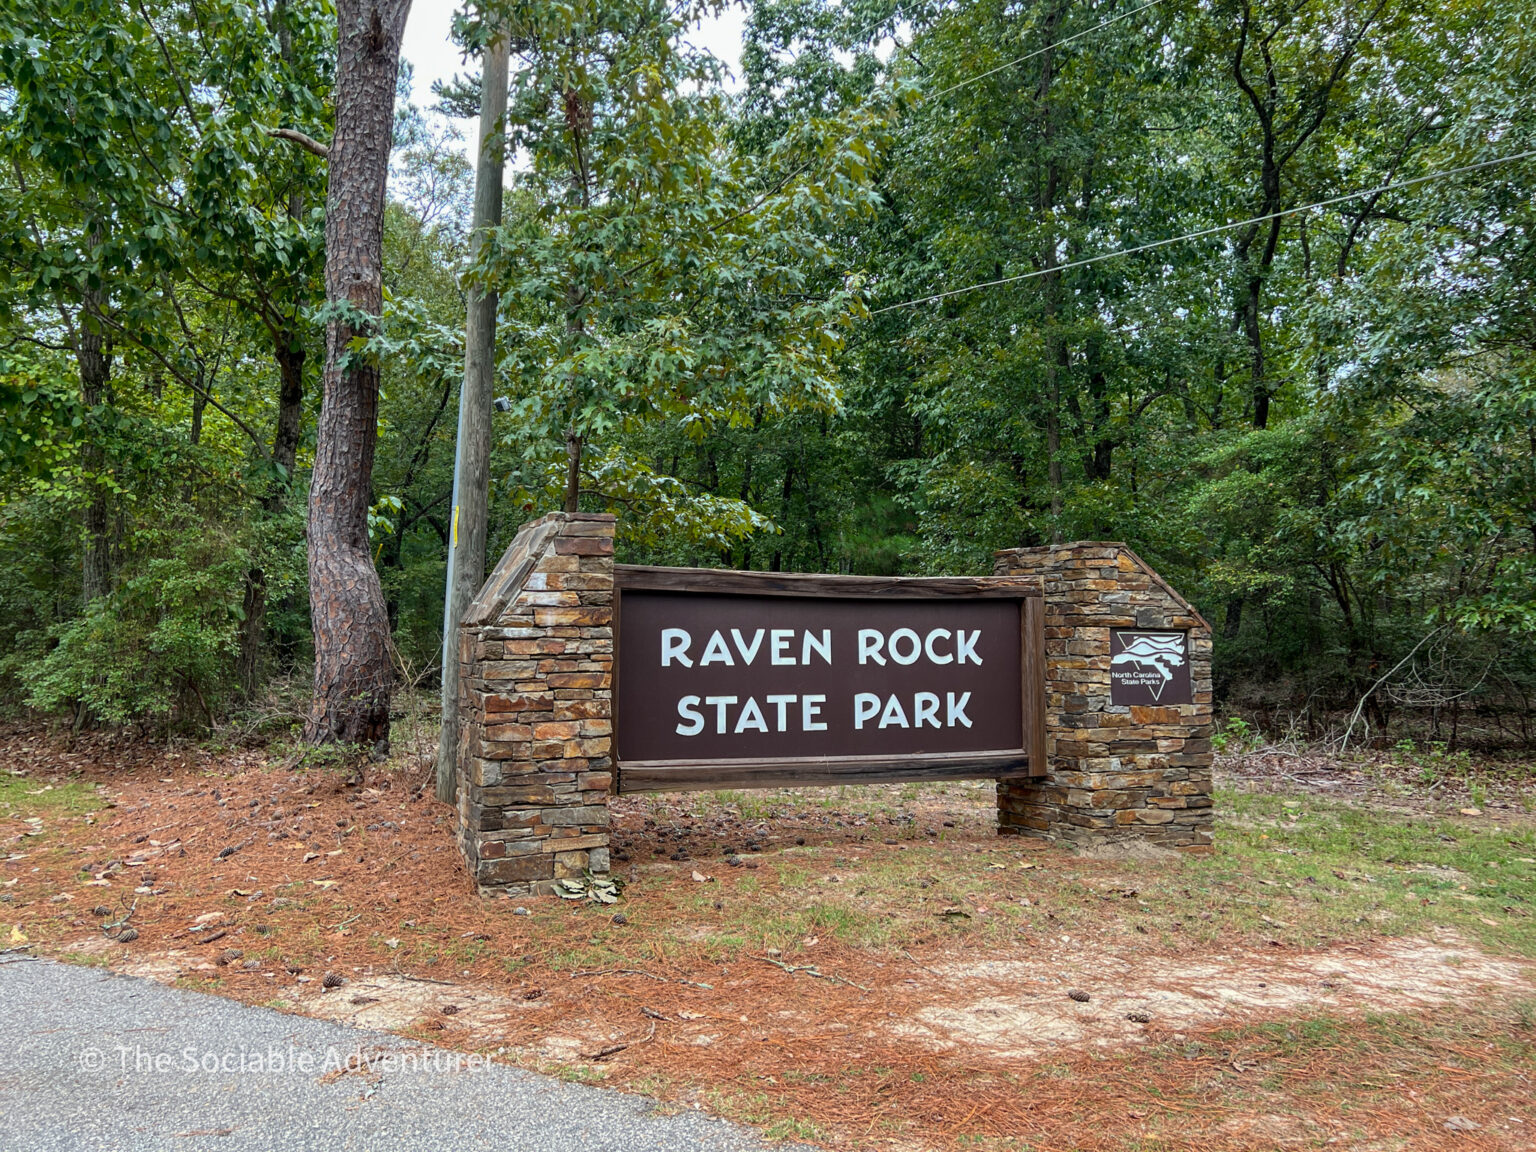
[[1115, 772], [535, 760]]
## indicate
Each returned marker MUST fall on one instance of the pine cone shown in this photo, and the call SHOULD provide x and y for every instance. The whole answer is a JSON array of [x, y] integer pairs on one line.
[[1079, 995], [332, 980]]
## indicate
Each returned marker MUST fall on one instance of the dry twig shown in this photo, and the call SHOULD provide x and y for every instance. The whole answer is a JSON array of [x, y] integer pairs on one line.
[[810, 970]]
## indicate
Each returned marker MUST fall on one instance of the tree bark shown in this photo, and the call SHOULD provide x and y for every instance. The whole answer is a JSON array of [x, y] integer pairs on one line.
[[1056, 354], [472, 465], [573, 446], [94, 359], [352, 662]]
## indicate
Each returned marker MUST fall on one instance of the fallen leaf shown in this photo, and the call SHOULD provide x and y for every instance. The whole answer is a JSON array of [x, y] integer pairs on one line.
[[17, 936]]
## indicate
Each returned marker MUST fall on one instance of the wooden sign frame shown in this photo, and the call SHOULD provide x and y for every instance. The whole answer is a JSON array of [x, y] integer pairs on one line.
[[1028, 759]]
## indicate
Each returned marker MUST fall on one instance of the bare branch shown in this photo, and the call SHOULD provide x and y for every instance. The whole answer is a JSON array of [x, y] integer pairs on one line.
[[303, 140]]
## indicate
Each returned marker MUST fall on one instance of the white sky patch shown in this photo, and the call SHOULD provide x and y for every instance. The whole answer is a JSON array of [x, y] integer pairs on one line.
[[428, 46]]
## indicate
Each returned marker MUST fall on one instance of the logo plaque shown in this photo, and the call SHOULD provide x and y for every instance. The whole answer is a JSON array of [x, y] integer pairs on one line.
[[1149, 668]]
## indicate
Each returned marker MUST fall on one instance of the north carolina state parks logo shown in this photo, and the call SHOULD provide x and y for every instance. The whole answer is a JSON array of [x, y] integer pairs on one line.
[[1149, 667]]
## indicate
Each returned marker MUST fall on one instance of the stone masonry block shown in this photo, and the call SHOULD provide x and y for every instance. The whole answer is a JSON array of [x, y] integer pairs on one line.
[[535, 724], [1116, 772]]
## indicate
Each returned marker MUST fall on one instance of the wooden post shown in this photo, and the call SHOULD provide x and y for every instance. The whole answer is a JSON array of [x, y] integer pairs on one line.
[[1032, 620], [471, 472]]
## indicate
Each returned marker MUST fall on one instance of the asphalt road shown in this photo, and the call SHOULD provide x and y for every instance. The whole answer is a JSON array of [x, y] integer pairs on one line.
[[91, 1062]]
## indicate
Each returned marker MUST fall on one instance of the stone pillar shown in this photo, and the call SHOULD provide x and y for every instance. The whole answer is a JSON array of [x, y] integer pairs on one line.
[[1116, 772], [536, 709]]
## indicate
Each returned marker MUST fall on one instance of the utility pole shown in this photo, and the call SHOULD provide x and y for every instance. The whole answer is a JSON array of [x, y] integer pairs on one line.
[[471, 465]]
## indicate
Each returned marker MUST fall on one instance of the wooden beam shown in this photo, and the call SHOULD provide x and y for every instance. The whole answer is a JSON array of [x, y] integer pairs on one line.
[[704, 775], [1032, 651], [638, 578]]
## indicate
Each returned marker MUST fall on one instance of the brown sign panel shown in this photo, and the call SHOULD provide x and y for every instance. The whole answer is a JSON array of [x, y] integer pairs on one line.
[[760, 684], [1149, 667]]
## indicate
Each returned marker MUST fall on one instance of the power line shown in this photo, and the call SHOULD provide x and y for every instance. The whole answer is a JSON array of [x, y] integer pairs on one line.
[[1012, 63], [1042, 51], [1206, 232]]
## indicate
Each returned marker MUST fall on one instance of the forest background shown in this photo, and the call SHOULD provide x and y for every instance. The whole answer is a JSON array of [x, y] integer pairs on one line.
[[741, 316]]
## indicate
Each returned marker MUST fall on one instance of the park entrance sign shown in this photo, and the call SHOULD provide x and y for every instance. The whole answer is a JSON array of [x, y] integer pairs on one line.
[[757, 679], [1073, 676]]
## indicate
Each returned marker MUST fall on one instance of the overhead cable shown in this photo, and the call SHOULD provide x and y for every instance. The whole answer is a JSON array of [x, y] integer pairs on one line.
[[1219, 228], [1042, 51]]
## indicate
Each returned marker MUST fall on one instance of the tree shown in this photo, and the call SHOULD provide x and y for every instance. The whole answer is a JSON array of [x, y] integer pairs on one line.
[[353, 672], [653, 275], [1291, 63]]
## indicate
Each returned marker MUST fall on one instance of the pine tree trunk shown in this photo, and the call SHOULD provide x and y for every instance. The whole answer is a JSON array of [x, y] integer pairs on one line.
[[352, 664], [1056, 356], [94, 360]]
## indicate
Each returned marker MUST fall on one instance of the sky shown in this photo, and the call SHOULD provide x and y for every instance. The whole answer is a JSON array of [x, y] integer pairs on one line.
[[435, 57]]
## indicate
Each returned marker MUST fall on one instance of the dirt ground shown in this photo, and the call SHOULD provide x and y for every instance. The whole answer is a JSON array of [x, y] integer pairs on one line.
[[869, 968]]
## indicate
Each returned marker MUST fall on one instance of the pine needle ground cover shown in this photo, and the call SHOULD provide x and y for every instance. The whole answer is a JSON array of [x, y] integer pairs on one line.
[[861, 968]]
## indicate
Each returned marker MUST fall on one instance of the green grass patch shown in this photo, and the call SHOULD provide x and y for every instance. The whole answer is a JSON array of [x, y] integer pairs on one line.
[[1299, 870], [1334, 865], [23, 796]]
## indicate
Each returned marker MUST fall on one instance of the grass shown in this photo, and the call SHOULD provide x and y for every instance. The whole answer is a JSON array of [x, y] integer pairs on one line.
[[23, 796], [761, 1109], [1299, 871], [1332, 865], [44, 808]]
